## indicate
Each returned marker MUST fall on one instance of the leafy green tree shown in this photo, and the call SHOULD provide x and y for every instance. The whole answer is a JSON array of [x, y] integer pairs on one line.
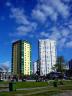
[[60, 64]]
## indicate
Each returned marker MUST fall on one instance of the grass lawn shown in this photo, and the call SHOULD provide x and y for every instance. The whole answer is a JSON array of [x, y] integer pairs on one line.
[[39, 84], [31, 84], [44, 92], [48, 91], [4, 82]]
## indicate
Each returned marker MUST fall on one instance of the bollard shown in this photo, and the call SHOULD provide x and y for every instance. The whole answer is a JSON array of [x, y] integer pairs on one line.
[[12, 86], [61, 82], [55, 83]]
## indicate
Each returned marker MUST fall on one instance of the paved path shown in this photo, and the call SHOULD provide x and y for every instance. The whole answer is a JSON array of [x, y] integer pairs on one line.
[[4, 85], [67, 93], [4, 90], [32, 93], [7, 89], [32, 88]]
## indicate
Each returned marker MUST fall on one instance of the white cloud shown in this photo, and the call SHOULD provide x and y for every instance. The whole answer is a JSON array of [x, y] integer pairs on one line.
[[60, 7], [25, 26], [39, 15], [65, 32], [44, 34], [56, 34], [43, 10], [23, 30], [62, 42], [49, 11], [61, 36], [8, 4], [69, 44], [5, 65], [70, 26], [50, 8], [19, 16]]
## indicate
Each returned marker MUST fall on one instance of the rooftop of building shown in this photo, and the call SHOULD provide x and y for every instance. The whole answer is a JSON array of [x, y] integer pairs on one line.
[[21, 41], [50, 40]]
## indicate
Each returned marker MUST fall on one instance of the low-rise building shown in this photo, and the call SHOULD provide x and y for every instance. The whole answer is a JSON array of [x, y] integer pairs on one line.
[[36, 67]]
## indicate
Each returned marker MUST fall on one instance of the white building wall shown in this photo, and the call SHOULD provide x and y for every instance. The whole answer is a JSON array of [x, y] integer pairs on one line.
[[47, 54]]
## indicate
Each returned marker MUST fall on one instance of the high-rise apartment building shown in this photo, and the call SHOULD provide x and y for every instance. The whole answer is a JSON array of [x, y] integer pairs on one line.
[[21, 57], [47, 55]]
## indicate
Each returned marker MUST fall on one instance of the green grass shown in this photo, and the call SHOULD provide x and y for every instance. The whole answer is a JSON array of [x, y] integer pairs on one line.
[[30, 84], [50, 90], [4, 82], [49, 93], [65, 82], [27, 84], [39, 84], [36, 84]]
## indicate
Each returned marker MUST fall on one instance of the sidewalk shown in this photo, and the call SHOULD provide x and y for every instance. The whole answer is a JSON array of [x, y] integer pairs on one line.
[[67, 93], [32, 88], [4, 90], [7, 89]]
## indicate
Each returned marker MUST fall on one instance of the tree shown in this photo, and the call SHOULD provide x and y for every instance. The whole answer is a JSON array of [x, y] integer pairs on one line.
[[69, 73], [60, 64]]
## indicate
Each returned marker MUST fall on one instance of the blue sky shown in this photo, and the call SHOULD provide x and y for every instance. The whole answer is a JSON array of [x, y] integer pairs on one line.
[[32, 20]]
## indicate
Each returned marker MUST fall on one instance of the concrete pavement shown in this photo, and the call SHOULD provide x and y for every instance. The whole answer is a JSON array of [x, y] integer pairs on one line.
[[67, 93], [4, 90], [32, 88], [7, 89]]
